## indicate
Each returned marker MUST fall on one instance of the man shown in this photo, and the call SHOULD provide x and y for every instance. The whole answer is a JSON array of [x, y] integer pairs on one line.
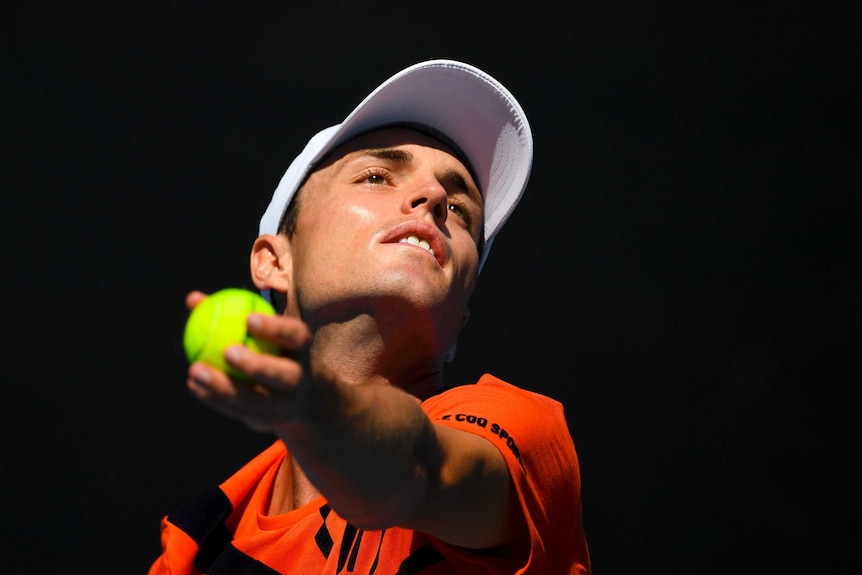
[[370, 250]]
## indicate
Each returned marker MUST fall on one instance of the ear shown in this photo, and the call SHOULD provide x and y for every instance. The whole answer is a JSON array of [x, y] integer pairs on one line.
[[271, 264]]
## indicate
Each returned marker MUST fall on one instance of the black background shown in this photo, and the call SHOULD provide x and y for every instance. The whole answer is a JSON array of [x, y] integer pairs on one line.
[[682, 273]]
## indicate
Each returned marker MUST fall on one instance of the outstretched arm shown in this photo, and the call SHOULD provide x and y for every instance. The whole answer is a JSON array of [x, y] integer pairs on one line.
[[370, 449]]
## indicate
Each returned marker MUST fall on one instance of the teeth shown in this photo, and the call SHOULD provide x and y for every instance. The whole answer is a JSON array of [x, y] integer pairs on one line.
[[416, 241]]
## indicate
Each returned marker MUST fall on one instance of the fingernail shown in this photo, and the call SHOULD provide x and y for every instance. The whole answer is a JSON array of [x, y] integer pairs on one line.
[[199, 377], [234, 353], [200, 374]]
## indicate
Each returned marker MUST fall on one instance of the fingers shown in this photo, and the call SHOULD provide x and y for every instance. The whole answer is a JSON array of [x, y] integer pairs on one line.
[[193, 298], [291, 333], [282, 374], [219, 393], [263, 400], [266, 396]]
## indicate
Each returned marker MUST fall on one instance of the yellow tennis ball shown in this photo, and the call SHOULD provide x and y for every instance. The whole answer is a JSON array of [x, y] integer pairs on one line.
[[218, 322]]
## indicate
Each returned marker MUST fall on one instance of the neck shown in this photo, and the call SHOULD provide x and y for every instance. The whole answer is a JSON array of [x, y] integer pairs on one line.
[[291, 488], [362, 350]]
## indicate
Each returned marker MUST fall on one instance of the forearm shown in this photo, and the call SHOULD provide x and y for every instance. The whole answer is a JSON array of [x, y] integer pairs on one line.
[[370, 449]]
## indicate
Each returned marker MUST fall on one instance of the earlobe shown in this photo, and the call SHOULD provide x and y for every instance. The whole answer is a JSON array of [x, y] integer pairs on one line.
[[270, 263]]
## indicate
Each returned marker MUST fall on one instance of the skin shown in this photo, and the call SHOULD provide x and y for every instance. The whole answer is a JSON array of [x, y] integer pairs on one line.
[[368, 325]]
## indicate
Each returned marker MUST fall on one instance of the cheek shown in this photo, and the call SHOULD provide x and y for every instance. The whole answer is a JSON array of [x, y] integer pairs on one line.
[[336, 234], [336, 218], [466, 272], [468, 249], [357, 215]]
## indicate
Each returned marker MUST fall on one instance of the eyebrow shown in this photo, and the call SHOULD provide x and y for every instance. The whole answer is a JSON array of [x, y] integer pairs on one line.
[[395, 154], [404, 157]]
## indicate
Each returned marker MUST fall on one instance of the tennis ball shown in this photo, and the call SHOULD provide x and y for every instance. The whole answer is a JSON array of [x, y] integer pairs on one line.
[[218, 322]]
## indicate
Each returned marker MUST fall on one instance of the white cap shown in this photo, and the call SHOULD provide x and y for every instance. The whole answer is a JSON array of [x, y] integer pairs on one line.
[[472, 110]]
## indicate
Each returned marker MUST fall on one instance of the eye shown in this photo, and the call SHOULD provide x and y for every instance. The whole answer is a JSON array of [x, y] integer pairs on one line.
[[466, 211], [456, 209], [375, 176]]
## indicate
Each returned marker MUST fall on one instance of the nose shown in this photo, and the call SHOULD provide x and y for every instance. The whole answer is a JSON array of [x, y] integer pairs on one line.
[[430, 195]]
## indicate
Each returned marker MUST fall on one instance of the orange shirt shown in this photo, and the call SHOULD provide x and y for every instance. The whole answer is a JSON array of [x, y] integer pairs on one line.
[[227, 531]]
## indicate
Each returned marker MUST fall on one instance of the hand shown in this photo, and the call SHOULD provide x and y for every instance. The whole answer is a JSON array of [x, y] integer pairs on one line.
[[273, 396]]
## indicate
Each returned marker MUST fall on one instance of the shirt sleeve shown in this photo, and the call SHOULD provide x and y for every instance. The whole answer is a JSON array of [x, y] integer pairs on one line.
[[531, 432]]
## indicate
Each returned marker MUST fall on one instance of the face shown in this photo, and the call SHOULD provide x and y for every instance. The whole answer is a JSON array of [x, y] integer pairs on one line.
[[389, 224]]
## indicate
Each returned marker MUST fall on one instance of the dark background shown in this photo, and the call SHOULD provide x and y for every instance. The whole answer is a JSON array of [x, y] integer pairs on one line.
[[682, 273]]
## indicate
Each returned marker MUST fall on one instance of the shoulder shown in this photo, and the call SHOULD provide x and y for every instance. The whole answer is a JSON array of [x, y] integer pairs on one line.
[[531, 432], [491, 394], [520, 422]]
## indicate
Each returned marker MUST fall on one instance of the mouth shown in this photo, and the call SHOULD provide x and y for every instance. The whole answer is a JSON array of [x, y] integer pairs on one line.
[[421, 235], [417, 241]]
